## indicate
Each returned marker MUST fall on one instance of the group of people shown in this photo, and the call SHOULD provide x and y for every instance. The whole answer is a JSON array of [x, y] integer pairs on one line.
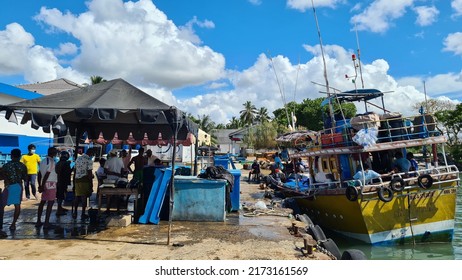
[[401, 164], [30, 177]]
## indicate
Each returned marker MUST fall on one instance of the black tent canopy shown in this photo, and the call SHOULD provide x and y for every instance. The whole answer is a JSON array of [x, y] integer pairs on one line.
[[110, 107]]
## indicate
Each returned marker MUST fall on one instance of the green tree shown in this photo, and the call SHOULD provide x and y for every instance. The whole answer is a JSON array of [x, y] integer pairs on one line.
[[452, 124], [97, 79], [432, 106], [248, 114], [234, 123], [262, 115], [206, 123]]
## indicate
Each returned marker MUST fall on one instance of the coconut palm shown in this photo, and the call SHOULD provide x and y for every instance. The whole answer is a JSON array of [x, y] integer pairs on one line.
[[205, 123], [249, 113], [234, 123], [262, 115], [97, 79]]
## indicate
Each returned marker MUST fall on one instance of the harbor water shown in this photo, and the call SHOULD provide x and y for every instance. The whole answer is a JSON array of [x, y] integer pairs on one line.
[[433, 251]]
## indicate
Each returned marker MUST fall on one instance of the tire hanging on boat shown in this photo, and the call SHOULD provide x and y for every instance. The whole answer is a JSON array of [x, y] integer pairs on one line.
[[331, 247], [385, 194], [425, 181], [397, 184], [353, 254], [316, 232], [351, 193]]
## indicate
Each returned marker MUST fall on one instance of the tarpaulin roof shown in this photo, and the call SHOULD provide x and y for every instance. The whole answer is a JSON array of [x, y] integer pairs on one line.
[[107, 108]]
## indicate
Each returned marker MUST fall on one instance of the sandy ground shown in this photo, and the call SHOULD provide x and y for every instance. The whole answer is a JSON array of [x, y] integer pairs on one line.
[[242, 236]]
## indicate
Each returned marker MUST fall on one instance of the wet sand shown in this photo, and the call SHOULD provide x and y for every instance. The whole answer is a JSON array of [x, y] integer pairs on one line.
[[242, 236]]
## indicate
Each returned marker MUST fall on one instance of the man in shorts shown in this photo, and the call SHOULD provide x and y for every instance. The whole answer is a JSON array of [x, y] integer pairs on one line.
[[31, 160], [83, 182], [13, 173]]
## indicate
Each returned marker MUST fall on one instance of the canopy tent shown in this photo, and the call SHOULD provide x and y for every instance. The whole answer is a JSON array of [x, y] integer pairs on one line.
[[104, 109]]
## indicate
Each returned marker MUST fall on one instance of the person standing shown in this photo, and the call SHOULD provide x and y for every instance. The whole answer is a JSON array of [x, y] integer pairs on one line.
[[64, 172], [13, 173], [83, 182], [47, 179], [114, 169], [31, 160], [140, 162]]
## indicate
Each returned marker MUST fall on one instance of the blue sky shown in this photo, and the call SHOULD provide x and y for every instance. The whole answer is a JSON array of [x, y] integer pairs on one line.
[[208, 57]]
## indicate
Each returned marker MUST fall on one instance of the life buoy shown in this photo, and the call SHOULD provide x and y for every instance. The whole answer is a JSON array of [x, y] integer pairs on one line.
[[425, 181], [385, 194], [397, 184], [351, 193]]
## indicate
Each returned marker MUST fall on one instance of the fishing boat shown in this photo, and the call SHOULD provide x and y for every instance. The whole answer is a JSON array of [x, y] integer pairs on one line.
[[396, 207]]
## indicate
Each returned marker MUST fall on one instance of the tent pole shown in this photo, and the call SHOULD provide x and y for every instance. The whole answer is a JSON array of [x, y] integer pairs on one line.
[[172, 177]]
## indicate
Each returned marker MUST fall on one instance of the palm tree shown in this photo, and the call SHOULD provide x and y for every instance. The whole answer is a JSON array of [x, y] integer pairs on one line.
[[205, 123], [249, 112], [234, 123], [97, 80], [262, 115]]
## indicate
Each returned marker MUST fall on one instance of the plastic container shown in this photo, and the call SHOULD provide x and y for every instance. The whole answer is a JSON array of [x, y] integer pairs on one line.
[[221, 161], [236, 193], [197, 199]]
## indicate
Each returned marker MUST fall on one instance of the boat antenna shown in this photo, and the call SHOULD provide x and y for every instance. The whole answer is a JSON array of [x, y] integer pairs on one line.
[[331, 110], [359, 57], [294, 119], [280, 91], [426, 101]]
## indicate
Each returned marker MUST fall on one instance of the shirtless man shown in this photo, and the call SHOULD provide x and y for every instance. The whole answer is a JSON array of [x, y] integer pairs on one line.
[[140, 162]]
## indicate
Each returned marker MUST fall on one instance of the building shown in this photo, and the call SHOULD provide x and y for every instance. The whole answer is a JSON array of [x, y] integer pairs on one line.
[[51, 87], [12, 134]]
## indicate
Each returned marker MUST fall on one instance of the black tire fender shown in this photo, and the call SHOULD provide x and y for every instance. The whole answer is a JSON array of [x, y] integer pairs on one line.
[[425, 181], [397, 184], [385, 194], [331, 247], [353, 254], [316, 232], [351, 193], [305, 219]]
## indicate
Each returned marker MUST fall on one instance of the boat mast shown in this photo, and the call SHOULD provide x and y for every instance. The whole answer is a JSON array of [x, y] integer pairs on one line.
[[359, 58], [331, 111]]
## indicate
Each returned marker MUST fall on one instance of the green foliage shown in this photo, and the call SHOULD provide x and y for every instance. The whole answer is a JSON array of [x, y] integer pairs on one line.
[[261, 136], [97, 79], [248, 115], [452, 123]]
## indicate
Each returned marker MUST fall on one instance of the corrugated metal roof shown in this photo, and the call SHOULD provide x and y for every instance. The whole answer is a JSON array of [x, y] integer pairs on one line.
[[51, 87]]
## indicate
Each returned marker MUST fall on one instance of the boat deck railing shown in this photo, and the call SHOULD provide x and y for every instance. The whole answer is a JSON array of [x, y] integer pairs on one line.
[[440, 175], [389, 129]]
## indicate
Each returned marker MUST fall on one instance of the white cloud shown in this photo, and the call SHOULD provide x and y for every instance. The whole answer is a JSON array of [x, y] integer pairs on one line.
[[303, 5], [457, 6], [255, 2], [453, 43], [15, 43], [188, 33], [426, 15], [66, 49], [379, 16], [258, 84], [136, 41]]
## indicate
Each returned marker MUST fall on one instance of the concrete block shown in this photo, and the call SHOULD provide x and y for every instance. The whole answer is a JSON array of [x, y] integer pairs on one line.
[[120, 221]]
